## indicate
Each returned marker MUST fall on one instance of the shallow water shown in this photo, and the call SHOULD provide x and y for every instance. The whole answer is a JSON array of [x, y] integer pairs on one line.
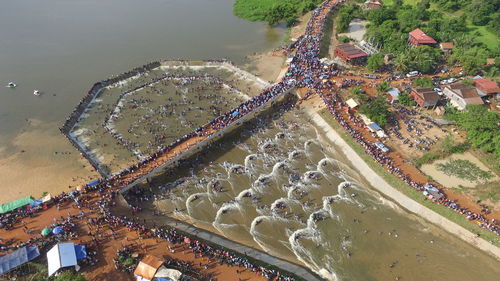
[[171, 101], [279, 186], [63, 47]]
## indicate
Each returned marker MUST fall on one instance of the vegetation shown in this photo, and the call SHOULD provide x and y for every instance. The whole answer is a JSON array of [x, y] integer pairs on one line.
[[481, 126], [359, 93], [400, 185], [65, 276], [376, 110], [405, 99], [423, 59], [464, 169], [345, 15], [427, 158], [449, 146], [375, 62], [273, 11], [474, 34], [424, 82], [344, 39]]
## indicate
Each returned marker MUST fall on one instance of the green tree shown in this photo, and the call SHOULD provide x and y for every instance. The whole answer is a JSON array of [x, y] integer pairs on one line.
[[481, 126], [376, 110], [375, 62], [378, 16], [405, 99], [70, 276], [423, 58], [423, 82], [359, 93], [383, 87], [282, 12], [344, 39]]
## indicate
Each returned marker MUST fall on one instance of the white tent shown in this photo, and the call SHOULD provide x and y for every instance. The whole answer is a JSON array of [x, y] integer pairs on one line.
[[61, 255], [171, 274], [351, 103]]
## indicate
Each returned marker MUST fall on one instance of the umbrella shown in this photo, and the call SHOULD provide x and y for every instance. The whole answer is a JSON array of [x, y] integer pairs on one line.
[[46, 231], [57, 230], [187, 240]]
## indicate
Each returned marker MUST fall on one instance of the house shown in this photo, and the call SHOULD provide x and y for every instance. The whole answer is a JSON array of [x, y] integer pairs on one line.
[[461, 95], [419, 38], [486, 87], [350, 54], [373, 4], [393, 95], [425, 97], [446, 46]]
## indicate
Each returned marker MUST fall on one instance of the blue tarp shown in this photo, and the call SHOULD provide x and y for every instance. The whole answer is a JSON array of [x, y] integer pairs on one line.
[[92, 183], [162, 279], [375, 126], [35, 203], [17, 258], [236, 113], [57, 230], [80, 252]]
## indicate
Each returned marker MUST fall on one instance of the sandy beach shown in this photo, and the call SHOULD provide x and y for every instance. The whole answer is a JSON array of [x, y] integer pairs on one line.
[[53, 164]]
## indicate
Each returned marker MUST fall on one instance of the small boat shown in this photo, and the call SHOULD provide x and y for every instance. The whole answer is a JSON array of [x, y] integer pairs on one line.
[[36, 92], [11, 85]]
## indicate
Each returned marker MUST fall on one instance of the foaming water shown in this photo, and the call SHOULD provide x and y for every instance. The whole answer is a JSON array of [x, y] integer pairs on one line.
[[278, 187]]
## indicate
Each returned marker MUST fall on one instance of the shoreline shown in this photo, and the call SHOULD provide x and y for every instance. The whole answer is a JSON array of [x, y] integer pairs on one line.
[[397, 196]]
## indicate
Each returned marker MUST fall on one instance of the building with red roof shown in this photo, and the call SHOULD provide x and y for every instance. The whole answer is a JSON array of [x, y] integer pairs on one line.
[[350, 54], [425, 97], [486, 87], [419, 38]]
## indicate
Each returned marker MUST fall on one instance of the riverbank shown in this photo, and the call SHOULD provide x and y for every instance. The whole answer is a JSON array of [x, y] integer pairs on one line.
[[385, 184]]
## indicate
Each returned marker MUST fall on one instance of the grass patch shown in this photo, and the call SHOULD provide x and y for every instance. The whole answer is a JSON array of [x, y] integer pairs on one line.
[[254, 10], [406, 189], [427, 158], [484, 35], [464, 169]]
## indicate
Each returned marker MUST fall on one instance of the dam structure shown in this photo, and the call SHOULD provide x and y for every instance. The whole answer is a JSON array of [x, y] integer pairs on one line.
[[302, 73]]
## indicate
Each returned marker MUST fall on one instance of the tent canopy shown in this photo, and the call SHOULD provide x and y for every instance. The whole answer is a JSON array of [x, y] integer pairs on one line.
[[18, 257], [168, 274], [92, 183], [148, 267], [61, 255], [7, 207], [80, 251], [374, 126], [351, 103]]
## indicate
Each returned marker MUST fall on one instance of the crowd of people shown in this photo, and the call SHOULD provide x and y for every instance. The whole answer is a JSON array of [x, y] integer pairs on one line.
[[305, 70], [178, 104]]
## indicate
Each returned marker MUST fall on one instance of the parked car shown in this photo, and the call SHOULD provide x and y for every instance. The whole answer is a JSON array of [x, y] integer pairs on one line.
[[412, 74]]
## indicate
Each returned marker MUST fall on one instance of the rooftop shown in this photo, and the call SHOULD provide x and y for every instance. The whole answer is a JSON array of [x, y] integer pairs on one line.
[[351, 51], [487, 86], [421, 37]]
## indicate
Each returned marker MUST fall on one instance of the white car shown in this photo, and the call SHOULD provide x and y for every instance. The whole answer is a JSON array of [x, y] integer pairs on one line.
[[412, 74]]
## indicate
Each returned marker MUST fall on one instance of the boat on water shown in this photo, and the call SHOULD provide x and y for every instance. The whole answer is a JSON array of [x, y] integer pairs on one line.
[[36, 92], [11, 85]]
